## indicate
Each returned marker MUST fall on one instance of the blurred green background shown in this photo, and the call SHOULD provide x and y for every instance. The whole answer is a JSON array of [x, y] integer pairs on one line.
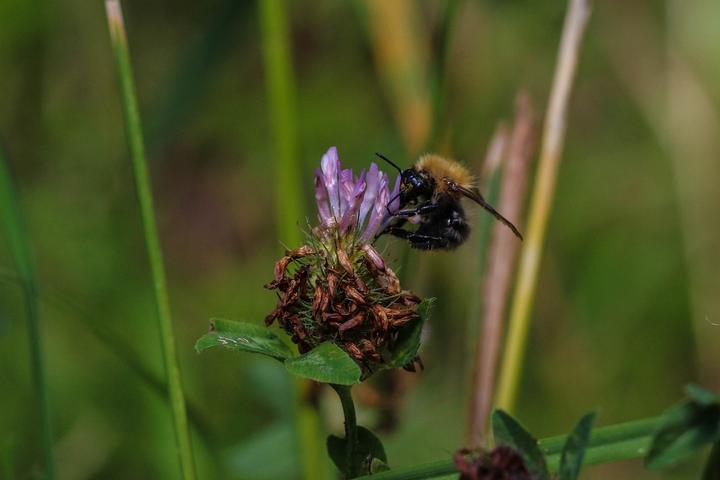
[[627, 308]]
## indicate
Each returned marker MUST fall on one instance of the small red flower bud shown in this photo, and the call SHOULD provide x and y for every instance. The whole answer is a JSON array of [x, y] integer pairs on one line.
[[501, 463], [374, 257]]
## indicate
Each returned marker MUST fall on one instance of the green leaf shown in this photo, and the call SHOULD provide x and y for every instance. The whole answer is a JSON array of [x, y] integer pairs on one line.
[[325, 363], [369, 454], [336, 452], [700, 395], [408, 342], [508, 431], [712, 467], [574, 449], [685, 428], [244, 337]]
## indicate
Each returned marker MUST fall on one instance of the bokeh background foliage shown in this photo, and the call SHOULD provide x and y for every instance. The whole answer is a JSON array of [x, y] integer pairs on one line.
[[627, 308]]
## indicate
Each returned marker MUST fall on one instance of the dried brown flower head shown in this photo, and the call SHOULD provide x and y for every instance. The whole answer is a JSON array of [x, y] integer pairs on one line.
[[353, 299]]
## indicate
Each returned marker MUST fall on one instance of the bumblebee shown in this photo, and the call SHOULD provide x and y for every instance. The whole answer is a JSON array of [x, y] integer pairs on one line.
[[430, 194]]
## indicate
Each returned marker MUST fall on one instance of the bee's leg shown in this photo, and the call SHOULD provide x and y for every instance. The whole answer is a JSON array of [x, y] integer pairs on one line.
[[390, 223], [396, 231], [428, 242], [423, 209], [418, 240], [399, 218], [406, 213]]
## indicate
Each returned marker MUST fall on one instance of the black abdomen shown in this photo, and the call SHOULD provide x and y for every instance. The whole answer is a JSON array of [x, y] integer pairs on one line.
[[445, 229]]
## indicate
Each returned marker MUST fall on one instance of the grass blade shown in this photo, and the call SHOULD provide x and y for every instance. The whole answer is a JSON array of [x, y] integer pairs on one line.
[[12, 217], [142, 183]]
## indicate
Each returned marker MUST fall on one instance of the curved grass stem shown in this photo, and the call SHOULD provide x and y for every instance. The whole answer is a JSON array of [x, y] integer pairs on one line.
[[11, 214], [541, 203], [142, 183]]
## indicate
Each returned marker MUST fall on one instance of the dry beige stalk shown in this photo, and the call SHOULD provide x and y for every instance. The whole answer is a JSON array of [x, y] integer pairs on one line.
[[502, 253]]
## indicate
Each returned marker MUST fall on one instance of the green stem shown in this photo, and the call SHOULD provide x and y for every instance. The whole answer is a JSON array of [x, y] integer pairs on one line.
[[142, 183], [437, 71], [350, 426], [484, 224], [281, 97], [6, 458], [614, 443], [289, 206], [10, 212], [605, 435], [307, 424], [712, 467]]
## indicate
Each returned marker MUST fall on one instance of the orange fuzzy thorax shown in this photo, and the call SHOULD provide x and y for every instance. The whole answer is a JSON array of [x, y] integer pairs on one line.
[[438, 168]]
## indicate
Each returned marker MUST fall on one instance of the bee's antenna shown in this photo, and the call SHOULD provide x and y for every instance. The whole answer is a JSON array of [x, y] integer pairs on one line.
[[388, 161]]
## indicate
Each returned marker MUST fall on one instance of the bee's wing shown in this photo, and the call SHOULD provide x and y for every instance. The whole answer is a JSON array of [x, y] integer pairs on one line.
[[474, 195]]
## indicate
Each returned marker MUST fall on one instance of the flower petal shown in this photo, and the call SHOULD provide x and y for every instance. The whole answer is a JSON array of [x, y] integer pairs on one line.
[[321, 198], [373, 184], [359, 204], [395, 196], [330, 165], [375, 257], [350, 216], [347, 189], [379, 210]]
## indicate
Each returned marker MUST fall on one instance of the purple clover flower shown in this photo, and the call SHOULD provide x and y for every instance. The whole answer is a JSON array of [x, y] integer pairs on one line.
[[337, 287], [353, 204]]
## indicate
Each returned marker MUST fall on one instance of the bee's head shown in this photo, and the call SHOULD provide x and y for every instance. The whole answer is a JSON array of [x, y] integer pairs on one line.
[[413, 183]]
